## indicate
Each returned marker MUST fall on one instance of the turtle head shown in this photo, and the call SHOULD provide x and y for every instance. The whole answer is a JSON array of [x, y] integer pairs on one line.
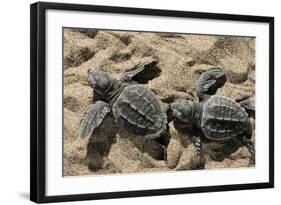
[[183, 110], [101, 82]]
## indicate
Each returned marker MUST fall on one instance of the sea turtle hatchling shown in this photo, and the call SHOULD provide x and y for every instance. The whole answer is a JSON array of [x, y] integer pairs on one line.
[[214, 117], [135, 108]]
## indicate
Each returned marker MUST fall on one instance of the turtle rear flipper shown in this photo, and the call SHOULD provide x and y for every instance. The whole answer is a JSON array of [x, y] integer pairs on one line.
[[163, 140], [250, 146], [142, 74], [209, 82], [93, 118]]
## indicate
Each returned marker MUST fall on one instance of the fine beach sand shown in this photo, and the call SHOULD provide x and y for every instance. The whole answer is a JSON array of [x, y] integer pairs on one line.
[[181, 58]]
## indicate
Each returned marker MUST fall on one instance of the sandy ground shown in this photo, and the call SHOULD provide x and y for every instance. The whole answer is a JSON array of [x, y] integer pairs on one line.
[[181, 58]]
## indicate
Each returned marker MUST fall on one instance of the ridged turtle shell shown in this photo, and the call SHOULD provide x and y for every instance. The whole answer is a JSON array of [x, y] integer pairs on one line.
[[223, 118], [138, 111]]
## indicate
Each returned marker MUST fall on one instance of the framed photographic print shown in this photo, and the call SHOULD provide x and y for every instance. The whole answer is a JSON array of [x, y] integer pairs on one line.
[[129, 102]]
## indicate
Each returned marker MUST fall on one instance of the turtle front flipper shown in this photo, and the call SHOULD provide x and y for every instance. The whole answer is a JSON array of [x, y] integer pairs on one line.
[[93, 118], [248, 104], [198, 145], [142, 74], [209, 82]]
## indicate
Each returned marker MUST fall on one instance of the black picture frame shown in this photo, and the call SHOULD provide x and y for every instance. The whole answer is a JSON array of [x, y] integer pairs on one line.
[[38, 101]]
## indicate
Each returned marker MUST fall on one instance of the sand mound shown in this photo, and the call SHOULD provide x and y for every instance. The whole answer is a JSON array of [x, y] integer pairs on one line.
[[181, 58]]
